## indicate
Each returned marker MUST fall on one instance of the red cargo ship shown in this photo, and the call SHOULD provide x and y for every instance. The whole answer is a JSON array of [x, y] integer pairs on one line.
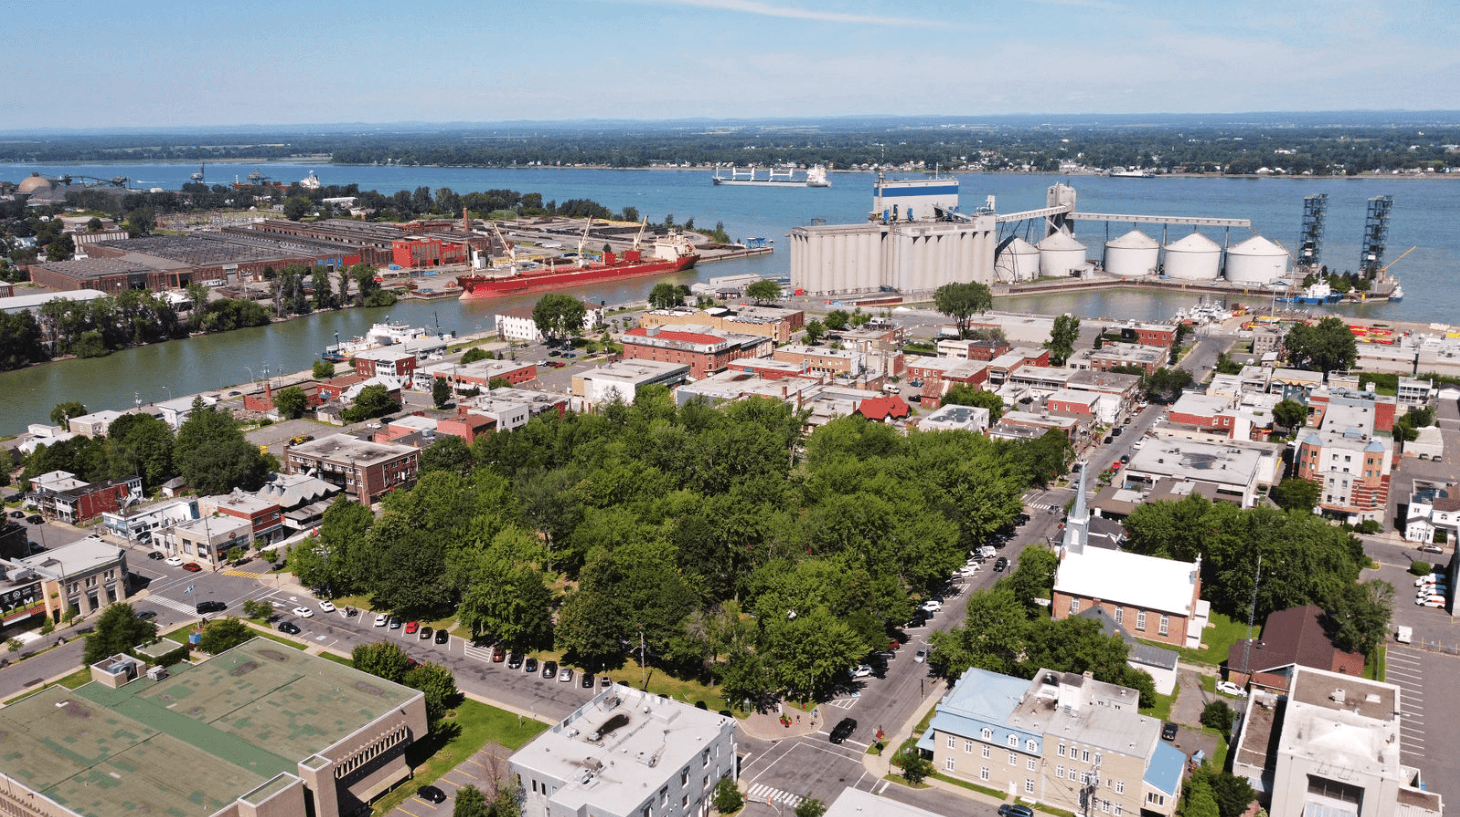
[[671, 254]]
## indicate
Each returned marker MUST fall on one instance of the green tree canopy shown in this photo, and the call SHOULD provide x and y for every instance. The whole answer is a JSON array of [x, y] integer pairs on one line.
[[324, 369], [557, 315], [961, 301], [664, 296], [1062, 338], [372, 401], [65, 412], [118, 630], [212, 455], [1290, 414], [963, 394], [224, 634], [291, 402], [1327, 346], [764, 291]]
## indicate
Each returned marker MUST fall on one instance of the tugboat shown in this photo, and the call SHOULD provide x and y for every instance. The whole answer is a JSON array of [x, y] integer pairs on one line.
[[1316, 293], [1398, 293]]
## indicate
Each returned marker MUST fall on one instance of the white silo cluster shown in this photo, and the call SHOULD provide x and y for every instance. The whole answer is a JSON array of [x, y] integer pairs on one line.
[[1194, 258], [1018, 262], [1256, 261], [1060, 254], [1132, 255]]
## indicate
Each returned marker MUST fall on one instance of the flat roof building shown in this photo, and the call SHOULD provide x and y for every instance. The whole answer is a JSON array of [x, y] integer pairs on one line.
[[365, 471], [257, 731], [623, 380], [627, 753], [1234, 470]]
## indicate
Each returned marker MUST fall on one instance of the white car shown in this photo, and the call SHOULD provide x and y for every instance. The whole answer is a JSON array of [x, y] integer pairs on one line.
[[968, 570], [303, 612], [327, 606], [381, 620], [862, 671], [932, 605], [1231, 689], [1420, 582], [173, 560], [1430, 601], [921, 655]]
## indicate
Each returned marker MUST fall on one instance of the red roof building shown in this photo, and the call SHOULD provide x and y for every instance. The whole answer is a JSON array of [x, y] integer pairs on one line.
[[1292, 636], [883, 409], [703, 352]]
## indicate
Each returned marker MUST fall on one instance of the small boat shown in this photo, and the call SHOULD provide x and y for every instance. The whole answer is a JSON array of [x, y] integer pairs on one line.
[[1122, 173], [1398, 293]]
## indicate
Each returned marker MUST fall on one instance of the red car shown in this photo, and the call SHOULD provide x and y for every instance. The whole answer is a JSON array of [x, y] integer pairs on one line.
[[411, 627], [192, 567], [499, 654]]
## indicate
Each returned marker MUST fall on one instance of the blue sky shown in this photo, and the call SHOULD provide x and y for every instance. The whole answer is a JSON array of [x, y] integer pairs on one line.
[[163, 63]]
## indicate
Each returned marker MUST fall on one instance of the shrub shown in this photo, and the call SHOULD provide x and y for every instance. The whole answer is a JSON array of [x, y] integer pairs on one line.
[[1442, 536], [728, 798], [1370, 526], [1217, 715], [1420, 568]]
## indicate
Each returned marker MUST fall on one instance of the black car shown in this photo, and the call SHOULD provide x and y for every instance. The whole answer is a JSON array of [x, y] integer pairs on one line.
[[289, 627], [394, 623], [155, 555], [843, 730], [1168, 731], [34, 519], [442, 636], [1001, 564], [211, 607], [530, 666], [549, 669], [1015, 810], [1124, 459], [17, 514], [146, 614], [514, 661], [919, 619], [587, 681], [431, 794]]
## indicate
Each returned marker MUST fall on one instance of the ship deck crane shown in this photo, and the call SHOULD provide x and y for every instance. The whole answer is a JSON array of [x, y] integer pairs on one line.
[[643, 225], [511, 250], [583, 240]]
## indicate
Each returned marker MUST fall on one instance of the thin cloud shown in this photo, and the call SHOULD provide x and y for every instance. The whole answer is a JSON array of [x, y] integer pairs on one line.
[[791, 13], [1084, 4]]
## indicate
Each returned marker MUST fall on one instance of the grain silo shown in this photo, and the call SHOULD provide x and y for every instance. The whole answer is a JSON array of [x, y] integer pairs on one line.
[[1132, 255], [1256, 261], [1018, 262], [1060, 255], [1193, 258]]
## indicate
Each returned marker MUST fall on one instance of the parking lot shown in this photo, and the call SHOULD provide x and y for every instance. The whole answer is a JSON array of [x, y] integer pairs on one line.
[[482, 770]]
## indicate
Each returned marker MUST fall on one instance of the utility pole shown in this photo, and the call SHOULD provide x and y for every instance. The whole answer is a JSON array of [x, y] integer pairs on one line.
[[1251, 616]]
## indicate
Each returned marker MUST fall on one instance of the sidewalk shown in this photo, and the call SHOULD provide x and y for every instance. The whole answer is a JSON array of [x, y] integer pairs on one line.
[[881, 765], [767, 725]]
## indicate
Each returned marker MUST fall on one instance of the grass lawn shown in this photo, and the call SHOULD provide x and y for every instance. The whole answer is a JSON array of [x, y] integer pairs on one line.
[[469, 727], [897, 778], [264, 632], [1162, 709], [1216, 640], [971, 786], [338, 659], [1374, 667]]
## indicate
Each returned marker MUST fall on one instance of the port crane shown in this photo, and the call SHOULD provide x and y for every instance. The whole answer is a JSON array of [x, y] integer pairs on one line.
[[511, 250], [93, 181], [1384, 271]]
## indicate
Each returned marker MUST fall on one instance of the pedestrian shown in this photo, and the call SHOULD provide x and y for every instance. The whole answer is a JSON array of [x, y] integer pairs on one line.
[[798, 719]]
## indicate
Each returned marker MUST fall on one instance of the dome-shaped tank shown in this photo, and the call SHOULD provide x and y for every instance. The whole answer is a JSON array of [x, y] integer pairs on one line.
[[1256, 261], [1193, 258], [1018, 262], [34, 184], [1060, 254], [1132, 255]]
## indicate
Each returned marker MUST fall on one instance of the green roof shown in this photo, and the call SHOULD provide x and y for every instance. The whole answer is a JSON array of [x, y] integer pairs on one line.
[[194, 742]]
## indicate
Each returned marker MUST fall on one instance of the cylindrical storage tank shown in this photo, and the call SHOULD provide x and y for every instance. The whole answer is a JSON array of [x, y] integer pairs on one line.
[[1256, 261], [1132, 255], [1194, 258], [1060, 254], [1018, 262]]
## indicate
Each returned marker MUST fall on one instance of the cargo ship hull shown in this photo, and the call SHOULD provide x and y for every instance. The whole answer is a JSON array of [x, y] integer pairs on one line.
[[479, 287]]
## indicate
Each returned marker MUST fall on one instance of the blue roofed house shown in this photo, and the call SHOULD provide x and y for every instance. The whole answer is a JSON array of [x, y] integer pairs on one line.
[[1062, 739]]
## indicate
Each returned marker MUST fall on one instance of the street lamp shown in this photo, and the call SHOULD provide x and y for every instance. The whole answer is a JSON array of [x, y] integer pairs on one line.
[[251, 377], [169, 394]]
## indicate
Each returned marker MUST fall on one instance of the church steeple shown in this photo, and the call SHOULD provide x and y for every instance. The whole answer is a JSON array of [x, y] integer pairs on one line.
[[1077, 526]]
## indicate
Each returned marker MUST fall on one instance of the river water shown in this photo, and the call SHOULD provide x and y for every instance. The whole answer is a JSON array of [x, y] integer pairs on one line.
[[1424, 215]]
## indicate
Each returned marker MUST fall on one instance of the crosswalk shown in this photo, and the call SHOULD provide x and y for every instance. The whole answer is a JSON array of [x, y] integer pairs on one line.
[[843, 703], [479, 653], [767, 794], [243, 573], [1043, 506], [164, 601]]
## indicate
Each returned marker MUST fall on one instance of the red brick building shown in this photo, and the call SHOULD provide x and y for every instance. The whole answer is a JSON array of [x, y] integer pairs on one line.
[[62, 496], [422, 251], [365, 471], [703, 352], [386, 361], [266, 518]]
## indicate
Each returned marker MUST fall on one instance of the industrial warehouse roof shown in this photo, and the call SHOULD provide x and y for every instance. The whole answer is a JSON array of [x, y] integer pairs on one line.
[[199, 249], [193, 743], [96, 267]]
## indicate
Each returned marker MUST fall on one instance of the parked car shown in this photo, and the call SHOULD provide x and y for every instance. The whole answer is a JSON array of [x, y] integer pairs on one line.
[[442, 636], [326, 606], [843, 730], [394, 623], [529, 666], [862, 671], [146, 614], [303, 612], [514, 661], [499, 653], [1168, 731], [425, 633], [932, 605], [1231, 689], [211, 607], [549, 669], [921, 655], [1001, 564], [156, 554], [17, 514], [175, 561], [412, 626], [34, 519], [565, 675], [1015, 810], [587, 680], [193, 567], [289, 627], [1432, 549], [431, 794], [381, 620]]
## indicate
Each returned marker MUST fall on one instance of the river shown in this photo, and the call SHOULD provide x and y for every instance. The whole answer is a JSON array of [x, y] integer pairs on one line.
[[1425, 211]]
